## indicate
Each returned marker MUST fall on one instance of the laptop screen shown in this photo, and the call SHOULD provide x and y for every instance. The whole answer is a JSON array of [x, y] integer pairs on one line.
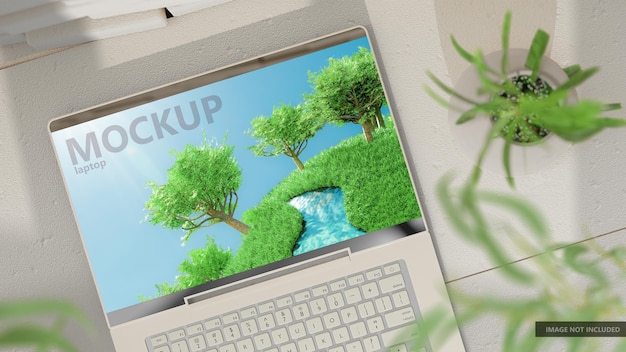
[[197, 183]]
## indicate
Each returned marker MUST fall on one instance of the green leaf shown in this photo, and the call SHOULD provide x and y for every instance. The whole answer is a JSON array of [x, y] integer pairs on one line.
[[35, 336], [570, 70], [526, 212], [511, 332], [468, 115], [613, 106], [483, 236], [469, 57], [620, 347], [489, 108], [572, 257], [506, 156], [436, 97], [450, 207], [506, 30], [617, 253], [488, 85], [462, 52], [19, 309], [575, 123], [448, 89], [577, 78], [536, 51], [436, 327]]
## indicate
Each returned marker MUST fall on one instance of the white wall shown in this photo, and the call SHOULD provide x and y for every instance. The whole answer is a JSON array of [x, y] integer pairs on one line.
[[583, 193]]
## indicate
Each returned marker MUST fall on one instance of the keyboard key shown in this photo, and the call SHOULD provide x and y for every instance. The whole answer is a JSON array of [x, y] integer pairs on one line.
[[280, 336], [214, 338], [284, 317], [302, 296], [349, 315], [245, 346], [356, 280], [301, 311], [338, 285], [320, 291], [249, 327], [399, 317], [297, 331], [353, 295], [341, 335], [366, 309], [290, 347], [175, 335], [399, 348], [372, 344], [335, 301], [162, 349], [375, 325], [284, 301], [318, 306], [306, 345], [158, 340], [370, 290], [358, 330], [230, 318], [392, 283], [228, 348], [267, 322], [197, 343], [383, 304], [400, 299], [232, 333], [331, 320], [392, 269], [248, 312], [400, 335], [262, 341], [374, 274], [194, 329], [323, 340], [266, 307], [180, 346], [212, 323], [354, 347], [314, 325]]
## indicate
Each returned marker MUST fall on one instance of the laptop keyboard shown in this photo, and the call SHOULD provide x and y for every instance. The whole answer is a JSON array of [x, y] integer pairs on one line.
[[373, 310]]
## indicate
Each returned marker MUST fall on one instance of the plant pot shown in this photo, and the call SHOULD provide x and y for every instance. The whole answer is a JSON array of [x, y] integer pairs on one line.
[[470, 136]]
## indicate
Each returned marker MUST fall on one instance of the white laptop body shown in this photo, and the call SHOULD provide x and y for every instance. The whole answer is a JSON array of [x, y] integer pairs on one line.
[[325, 283]]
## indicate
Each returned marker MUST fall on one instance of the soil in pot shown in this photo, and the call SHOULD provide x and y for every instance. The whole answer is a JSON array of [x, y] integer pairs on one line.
[[526, 130]]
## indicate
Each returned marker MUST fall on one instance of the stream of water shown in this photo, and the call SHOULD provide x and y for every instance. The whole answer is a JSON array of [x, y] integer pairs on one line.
[[325, 220]]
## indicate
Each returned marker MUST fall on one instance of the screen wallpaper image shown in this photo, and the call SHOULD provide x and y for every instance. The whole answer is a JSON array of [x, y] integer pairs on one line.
[[236, 174]]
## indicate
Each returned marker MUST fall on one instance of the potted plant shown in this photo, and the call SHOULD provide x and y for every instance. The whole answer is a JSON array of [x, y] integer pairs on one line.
[[526, 108], [523, 97]]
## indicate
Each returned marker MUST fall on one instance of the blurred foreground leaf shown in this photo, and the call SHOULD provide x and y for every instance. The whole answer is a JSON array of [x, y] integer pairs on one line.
[[19, 331]]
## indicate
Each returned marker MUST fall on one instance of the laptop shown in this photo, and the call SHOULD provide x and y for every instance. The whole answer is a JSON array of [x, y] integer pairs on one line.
[[264, 206]]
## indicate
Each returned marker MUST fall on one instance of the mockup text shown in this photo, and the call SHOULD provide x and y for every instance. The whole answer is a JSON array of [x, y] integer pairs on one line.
[[141, 130]]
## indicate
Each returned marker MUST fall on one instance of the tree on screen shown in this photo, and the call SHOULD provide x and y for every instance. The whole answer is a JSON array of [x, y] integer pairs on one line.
[[349, 90], [287, 131], [204, 264], [201, 190]]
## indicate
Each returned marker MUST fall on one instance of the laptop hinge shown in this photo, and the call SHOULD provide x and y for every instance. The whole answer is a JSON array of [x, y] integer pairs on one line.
[[343, 253]]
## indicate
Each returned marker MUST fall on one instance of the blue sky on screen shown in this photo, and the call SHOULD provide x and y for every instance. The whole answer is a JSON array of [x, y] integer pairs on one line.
[[129, 256]]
